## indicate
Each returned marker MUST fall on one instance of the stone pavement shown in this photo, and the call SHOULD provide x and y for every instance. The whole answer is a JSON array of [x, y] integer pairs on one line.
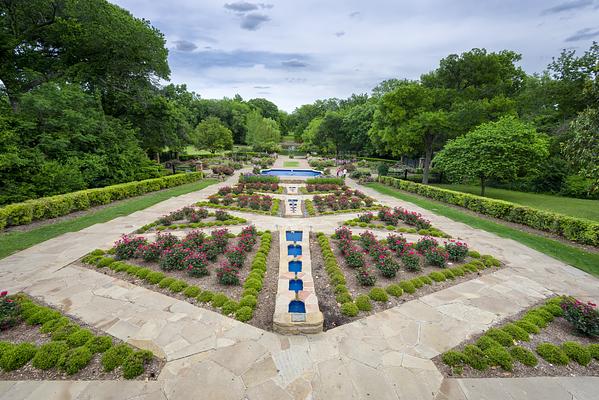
[[209, 356]]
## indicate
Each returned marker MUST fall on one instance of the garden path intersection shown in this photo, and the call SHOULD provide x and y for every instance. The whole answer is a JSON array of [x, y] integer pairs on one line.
[[210, 356]]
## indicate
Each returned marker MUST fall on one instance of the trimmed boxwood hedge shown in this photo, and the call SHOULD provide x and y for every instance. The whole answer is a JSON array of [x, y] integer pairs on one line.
[[576, 229], [63, 204]]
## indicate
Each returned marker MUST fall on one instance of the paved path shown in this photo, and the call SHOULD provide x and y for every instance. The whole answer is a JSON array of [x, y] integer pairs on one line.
[[385, 356]]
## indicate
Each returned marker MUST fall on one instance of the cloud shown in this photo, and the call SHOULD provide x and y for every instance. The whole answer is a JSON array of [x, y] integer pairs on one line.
[[568, 6], [294, 63], [354, 14], [586, 33], [241, 6], [340, 33], [261, 87], [252, 21], [184, 45]]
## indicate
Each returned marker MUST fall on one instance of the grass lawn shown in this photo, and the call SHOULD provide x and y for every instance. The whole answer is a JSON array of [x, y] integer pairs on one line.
[[581, 208], [584, 260], [291, 164], [16, 241]]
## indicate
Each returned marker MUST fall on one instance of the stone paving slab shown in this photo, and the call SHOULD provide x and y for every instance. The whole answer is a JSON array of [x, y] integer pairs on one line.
[[386, 355]]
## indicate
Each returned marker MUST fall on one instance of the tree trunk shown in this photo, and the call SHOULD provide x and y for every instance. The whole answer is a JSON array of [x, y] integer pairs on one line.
[[428, 155], [482, 186]]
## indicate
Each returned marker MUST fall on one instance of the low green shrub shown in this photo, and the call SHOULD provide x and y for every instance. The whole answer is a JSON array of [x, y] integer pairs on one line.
[[154, 277], [528, 326], [516, 332], [343, 298], [524, 356], [244, 314], [64, 331], [378, 294], [407, 287], [577, 352], [363, 303], [452, 358], [191, 291], [394, 290], [115, 356], [229, 307], [133, 366], [417, 283], [177, 286], [218, 300], [349, 309], [142, 273], [205, 296], [75, 360], [594, 350], [425, 280], [474, 254], [475, 357], [501, 337], [552, 354], [16, 356], [48, 354], [54, 324], [99, 344], [166, 282], [79, 337], [484, 342], [554, 309], [249, 301], [499, 356], [437, 276], [341, 289]]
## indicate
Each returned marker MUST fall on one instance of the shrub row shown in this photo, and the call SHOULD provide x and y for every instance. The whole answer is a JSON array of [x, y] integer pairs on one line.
[[350, 210], [193, 225], [325, 181], [242, 310], [499, 346], [310, 207], [428, 232], [56, 206], [274, 210], [72, 347], [576, 229]]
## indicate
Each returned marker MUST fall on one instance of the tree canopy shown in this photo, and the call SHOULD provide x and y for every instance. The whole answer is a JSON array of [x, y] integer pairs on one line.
[[212, 135]]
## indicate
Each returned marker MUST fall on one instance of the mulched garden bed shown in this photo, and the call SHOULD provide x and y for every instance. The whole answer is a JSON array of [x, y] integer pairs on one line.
[[556, 332], [332, 308], [264, 309], [23, 332]]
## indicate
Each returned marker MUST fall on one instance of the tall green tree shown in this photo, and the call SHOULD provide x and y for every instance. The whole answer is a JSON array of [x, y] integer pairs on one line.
[[500, 151], [582, 150], [263, 134], [411, 120], [330, 133], [212, 135]]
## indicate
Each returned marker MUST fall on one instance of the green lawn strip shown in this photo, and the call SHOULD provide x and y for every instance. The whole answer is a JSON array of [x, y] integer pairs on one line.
[[586, 261], [580, 208], [16, 241], [291, 163]]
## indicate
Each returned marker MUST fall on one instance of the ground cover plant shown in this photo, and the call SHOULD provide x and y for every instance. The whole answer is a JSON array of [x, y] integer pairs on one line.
[[221, 271], [371, 275], [39, 342], [396, 219], [255, 203], [192, 217], [559, 337], [341, 201]]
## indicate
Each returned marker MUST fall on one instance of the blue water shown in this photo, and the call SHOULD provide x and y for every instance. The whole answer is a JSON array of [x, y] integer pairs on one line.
[[295, 266], [294, 250], [296, 285], [297, 306], [290, 172], [293, 236]]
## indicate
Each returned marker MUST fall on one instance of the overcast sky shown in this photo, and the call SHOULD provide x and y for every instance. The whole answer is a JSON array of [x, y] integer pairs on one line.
[[296, 51]]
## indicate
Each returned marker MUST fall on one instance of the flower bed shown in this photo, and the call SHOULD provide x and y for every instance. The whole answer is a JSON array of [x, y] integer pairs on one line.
[[192, 217], [221, 271], [397, 219], [558, 338], [250, 188], [255, 203], [320, 188], [342, 202], [39, 342], [370, 275]]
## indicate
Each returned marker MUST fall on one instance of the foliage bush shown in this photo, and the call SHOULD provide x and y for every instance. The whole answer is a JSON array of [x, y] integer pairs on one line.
[[115, 356], [452, 358], [55, 206], [407, 287], [475, 357], [75, 360], [191, 291], [516, 332], [349, 309], [524, 356], [244, 313], [15, 356], [363, 303], [576, 229], [394, 290], [577, 352], [79, 337], [133, 366], [499, 356], [48, 354], [218, 300], [378, 294], [484, 342], [584, 317], [99, 344], [552, 354]]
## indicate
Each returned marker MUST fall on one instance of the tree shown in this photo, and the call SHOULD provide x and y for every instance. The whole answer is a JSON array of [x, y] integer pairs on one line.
[[263, 134], [411, 119], [90, 41], [501, 150], [309, 134], [582, 150], [330, 133], [267, 108], [211, 134]]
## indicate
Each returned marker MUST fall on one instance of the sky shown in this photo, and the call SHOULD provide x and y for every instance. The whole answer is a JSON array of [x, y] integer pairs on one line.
[[296, 51]]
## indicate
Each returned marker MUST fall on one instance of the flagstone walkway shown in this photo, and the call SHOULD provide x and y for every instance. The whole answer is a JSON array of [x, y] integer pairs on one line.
[[209, 356]]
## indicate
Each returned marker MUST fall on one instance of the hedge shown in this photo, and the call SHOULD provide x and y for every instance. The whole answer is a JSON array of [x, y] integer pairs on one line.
[[576, 229], [56, 206]]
